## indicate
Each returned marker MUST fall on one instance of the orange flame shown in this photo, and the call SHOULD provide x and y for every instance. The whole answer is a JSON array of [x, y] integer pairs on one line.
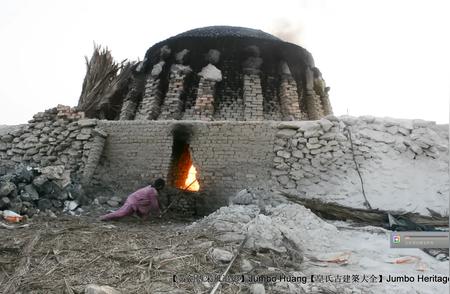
[[192, 176]]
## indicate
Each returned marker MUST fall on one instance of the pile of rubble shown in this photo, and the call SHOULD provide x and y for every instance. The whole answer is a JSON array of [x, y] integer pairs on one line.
[[285, 244], [28, 191]]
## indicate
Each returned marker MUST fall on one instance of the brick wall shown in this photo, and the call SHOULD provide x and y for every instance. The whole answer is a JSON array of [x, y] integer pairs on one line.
[[229, 156], [403, 163], [59, 136]]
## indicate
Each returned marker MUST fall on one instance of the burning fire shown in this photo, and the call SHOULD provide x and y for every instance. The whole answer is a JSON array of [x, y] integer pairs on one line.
[[190, 179]]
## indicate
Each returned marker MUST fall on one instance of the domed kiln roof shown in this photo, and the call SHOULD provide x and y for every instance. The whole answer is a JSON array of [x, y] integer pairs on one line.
[[227, 31]]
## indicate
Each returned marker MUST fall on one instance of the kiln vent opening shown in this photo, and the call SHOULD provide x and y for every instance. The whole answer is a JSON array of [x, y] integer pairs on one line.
[[183, 173]]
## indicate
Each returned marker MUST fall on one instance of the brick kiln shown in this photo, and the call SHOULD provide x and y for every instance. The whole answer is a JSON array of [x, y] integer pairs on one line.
[[200, 105], [226, 73], [205, 104]]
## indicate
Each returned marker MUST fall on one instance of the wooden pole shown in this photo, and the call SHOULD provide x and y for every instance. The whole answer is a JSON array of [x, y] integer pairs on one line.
[[229, 266]]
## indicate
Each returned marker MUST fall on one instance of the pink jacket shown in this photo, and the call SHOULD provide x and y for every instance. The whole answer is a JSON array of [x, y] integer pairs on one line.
[[141, 202]]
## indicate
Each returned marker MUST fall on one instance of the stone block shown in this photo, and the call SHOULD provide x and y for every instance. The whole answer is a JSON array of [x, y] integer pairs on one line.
[[83, 123], [284, 154]]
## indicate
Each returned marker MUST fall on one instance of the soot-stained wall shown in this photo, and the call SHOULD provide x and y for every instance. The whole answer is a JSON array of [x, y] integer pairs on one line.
[[228, 156]]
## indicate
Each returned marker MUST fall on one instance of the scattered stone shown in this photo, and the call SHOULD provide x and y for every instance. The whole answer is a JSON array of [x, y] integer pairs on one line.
[[4, 202], [246, 265], [57, 203], [326, 124], [298, 154], [212, 73], [23, 174], [416, 148], [377, 136], [221, 255], [286, 133], [70, 205], [44, 204], [31, 191], [83, 137], [112, 203], [243, 197], [283, 180], [87, 123], [99, 132], [205, 245], [284, 154], [51, 214], [294, 125], [96, 289], [117, 199], [39, 181], [257, 289], [392, 130], [6, 188]]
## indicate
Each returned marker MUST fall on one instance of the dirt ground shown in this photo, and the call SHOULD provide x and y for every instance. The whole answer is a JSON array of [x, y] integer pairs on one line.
[[64, 254]]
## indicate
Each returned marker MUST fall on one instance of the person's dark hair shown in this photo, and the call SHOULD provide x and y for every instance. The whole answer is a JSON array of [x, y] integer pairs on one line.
[[159, 184]]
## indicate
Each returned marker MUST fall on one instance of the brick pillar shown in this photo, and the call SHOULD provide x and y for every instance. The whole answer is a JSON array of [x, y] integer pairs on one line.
[[130, 102], [327, 109], [95, 152], [152, 100], [204, 104], [313, 103], [289, 99], [173, 103], [322, 91], [253, 97], [301, 100]]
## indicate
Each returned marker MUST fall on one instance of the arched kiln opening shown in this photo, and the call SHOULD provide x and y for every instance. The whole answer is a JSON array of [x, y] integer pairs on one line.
[[182, 172]]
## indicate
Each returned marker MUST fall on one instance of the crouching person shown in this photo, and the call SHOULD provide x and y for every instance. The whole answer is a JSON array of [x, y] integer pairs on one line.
[[141, 202]]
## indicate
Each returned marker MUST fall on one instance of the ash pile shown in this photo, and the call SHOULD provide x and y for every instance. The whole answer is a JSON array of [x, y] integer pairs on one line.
[[30, 191]]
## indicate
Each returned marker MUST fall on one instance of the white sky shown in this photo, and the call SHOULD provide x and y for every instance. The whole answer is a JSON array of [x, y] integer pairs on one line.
[[380, 57]]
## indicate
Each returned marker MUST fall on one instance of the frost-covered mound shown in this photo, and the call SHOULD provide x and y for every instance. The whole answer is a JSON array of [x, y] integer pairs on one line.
[[307, 245]]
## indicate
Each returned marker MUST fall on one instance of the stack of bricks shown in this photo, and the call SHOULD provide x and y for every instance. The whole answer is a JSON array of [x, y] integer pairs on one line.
[[55, 137], [253, 97], [230, 104], [289, 98], [173, 104], [191, 96], [152, 100], [92, 159], [271, 102], [327, 110], [68, 112], [313, 103], [130, 103], [204, 105], [301, 101]]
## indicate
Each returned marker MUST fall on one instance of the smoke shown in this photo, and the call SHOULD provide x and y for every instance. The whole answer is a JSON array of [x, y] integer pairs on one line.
[[288, 31]]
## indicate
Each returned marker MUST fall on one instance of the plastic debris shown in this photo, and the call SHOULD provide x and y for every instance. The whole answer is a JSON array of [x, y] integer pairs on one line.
[[338, 258], [405, 260], [12, 217]]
